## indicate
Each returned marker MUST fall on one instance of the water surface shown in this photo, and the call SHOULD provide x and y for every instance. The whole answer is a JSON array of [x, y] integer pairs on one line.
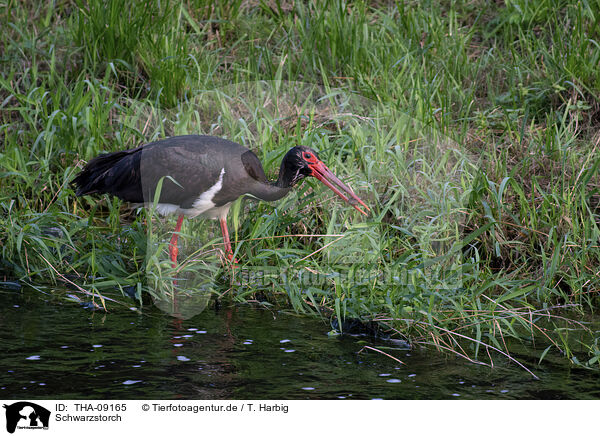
[[58, 350]]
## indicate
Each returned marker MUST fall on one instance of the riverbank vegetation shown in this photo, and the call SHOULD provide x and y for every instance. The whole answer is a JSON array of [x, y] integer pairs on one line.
[[470, 128]]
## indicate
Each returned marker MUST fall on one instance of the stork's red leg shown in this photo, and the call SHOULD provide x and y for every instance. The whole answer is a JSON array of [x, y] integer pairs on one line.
[[173, 249], [228, 250]]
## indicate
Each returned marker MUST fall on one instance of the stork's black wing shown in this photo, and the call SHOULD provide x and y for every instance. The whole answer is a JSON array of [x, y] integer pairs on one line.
[[187, 165]]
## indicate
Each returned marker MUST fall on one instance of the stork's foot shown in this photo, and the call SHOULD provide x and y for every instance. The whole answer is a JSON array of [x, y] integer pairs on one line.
[[173, 247], [231, 269], [230, 261]]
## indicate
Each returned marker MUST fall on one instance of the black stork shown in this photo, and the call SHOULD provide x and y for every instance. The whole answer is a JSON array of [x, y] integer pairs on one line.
[[201, 175]]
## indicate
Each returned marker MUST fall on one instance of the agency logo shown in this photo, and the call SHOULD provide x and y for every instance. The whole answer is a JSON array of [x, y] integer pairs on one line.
[[26, 415]]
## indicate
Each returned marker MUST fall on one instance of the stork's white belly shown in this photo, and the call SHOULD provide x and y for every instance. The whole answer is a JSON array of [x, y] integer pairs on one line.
[[203, 205]]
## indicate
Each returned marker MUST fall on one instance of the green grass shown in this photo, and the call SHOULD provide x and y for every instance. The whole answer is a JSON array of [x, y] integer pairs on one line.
[[471, 129]]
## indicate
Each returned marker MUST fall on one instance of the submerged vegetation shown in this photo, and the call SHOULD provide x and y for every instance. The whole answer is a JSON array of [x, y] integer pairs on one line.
[[470, 128]]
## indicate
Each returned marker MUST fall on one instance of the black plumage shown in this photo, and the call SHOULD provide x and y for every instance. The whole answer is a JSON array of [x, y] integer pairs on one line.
[[201, 175], [189, 165]]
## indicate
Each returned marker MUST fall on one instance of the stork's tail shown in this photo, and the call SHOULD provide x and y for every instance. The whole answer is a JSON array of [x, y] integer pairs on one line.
[[116, 173]]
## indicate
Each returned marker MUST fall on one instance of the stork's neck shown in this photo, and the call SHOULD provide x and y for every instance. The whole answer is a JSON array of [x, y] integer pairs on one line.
[[278, 189], [269, 191]]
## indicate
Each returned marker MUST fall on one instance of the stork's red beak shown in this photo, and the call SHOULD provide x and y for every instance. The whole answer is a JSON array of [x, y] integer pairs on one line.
[[321, 172]]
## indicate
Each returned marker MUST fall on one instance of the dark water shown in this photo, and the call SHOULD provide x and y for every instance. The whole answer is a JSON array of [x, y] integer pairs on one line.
[[58, 350]]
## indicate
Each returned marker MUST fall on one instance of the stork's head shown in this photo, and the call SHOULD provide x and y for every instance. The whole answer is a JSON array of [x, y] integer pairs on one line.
[[301, 162]]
